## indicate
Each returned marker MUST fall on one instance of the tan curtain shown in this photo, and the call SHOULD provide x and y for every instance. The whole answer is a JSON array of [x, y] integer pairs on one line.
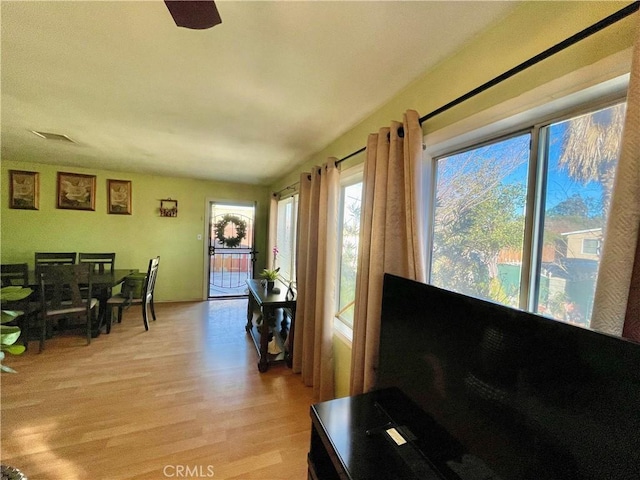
[[616, 308], [273, 229], [316, 277], [390, 235]]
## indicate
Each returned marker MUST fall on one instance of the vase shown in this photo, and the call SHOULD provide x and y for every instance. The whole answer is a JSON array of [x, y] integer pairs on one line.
[[270, 285]]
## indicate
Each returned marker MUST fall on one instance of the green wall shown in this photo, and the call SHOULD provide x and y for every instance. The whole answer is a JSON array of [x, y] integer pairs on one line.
[[531, 28], [527, 31], [135, 238]]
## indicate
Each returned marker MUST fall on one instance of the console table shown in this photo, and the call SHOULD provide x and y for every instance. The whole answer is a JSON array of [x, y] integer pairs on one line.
[[268, 303], [381, 434]]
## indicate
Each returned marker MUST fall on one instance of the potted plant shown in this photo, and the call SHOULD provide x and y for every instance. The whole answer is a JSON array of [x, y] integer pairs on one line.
[[270, 276], [10, 334]]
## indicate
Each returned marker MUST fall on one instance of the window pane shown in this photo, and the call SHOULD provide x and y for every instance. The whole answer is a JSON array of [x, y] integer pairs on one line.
[[351, 207], [590, 246], [479, 220], [285, 238], [582, 158]]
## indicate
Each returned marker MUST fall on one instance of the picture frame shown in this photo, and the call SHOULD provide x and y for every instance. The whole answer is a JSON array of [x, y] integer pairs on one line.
[[76, 191], [24, 190], [119, 197], [168, 207]]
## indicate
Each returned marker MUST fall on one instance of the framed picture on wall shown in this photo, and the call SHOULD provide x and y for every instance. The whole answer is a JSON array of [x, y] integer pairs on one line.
[[23, 189], [119, 197], [168, 208], [76, 191]]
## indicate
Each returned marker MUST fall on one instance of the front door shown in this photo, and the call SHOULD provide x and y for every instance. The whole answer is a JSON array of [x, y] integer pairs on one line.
[[231, 249]]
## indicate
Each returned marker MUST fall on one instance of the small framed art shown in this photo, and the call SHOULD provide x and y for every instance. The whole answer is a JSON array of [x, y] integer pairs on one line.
[[168, 207], [23, 189], [119, 199], [76, 191]]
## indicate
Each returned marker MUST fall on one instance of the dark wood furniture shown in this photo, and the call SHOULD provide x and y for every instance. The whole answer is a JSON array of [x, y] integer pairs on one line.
[[99, 279], [14, 274], [268, 304], [54, 258], [60, 296], [122, 301], [474, 390], [101, 284], [371, 436], [102, 262]]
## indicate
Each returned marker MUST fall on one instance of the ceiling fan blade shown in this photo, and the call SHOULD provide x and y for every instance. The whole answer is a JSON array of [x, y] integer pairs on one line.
[[196, 15]]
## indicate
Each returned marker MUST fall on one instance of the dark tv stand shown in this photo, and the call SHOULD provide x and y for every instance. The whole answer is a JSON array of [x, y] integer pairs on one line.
[[349, 438], [489, 392]]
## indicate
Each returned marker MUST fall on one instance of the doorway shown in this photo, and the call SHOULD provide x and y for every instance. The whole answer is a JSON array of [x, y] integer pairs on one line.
[[231, 249]]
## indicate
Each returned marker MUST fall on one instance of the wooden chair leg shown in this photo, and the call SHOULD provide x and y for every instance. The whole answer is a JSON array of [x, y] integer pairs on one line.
[[144, 316], [43, 334], [91, 318], [108, 314], [23, 323]]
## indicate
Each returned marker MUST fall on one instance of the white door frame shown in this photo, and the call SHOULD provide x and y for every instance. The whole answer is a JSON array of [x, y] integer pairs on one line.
[[205, 238]]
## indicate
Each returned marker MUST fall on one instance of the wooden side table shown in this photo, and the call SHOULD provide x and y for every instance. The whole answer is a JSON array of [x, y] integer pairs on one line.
[[268, 303], [379, 434]]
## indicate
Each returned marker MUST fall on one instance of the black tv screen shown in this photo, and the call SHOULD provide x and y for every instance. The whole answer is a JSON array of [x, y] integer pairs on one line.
[[520, 396]]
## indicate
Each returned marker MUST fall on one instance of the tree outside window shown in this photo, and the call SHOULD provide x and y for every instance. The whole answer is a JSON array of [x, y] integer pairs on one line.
[[481, 213]]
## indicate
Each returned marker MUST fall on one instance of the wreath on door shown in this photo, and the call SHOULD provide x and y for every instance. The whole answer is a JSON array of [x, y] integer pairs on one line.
[[240, 228]]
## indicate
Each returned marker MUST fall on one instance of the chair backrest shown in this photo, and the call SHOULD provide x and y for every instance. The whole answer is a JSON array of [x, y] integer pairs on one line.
[[100, 261], [14, 274], [61, 283], [53, 258], [150, 280]]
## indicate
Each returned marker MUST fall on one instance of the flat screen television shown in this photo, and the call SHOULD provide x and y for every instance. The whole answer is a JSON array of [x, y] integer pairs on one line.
[[519, 396]]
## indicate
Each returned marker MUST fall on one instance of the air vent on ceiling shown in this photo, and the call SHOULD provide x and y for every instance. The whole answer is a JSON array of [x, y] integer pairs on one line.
[[53, 136]]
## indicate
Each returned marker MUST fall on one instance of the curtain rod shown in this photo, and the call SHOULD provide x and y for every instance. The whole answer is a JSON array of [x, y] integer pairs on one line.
[[293, 186], [288, 187], [581, 35]]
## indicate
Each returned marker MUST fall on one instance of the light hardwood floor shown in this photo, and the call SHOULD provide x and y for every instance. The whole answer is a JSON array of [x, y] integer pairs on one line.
[[183, 400]]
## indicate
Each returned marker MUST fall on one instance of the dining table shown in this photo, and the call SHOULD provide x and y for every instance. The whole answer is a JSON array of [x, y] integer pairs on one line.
[[102, 283]]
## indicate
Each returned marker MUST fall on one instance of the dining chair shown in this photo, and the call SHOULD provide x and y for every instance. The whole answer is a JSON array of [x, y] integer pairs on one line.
[[17, 274], [102, 262], [14, 274], [61, 297], [53, 258], [124, 300]]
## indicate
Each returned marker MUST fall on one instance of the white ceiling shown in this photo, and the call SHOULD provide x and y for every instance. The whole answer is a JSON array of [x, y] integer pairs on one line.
[[245, 101]]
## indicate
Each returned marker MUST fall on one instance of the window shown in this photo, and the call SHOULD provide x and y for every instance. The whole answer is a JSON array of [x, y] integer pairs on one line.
[[519, 220], [479, 220], [286, 237], [349, 228], [578, 169], [591, 246]]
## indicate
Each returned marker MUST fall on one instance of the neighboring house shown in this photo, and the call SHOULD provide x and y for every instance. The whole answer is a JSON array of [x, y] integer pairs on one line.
[[568, 274], [570, 279], [583, 244]]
